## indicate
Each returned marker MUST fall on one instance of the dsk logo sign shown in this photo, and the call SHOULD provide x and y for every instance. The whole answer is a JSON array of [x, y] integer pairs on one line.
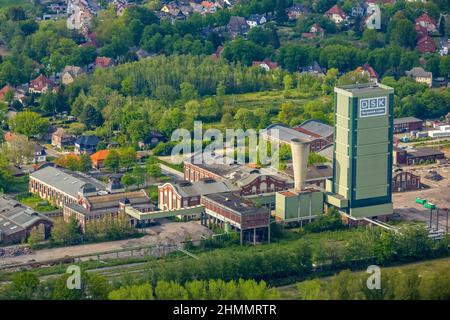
[[372, 107]]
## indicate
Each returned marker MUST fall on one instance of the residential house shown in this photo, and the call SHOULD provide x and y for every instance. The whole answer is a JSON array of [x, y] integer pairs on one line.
[[70, 73], [420, 75], [427, 22], [368, 71], [86, 144], [444, 44], [216, 55], [41, 84], [358, 9], [152, 139], [39, 154], [103, 62], [426, 44], [317, 30], [266, 64], [61, 139], [336, 14], [237, 26], [296, 11], [256, 20], [99, 158], [142, 54], [314, 69]]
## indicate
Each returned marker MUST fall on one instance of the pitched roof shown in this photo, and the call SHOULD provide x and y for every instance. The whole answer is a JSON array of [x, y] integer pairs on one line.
[[283, 133], [87, 141], [100, 155], [66, 181], [406, 120], [103, 62], [200, 188], [372, 73], [426, 18], [418, 72], [270, 64], [8, 136], [336, 9], [426, 44], [41, 82], [315, 128]]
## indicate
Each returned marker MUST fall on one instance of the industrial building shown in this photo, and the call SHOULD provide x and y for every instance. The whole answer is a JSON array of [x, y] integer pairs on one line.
[[407, 124], [405, 181], [97, 207], [362, 158], [232, 212], [415, 156], [17, 221]]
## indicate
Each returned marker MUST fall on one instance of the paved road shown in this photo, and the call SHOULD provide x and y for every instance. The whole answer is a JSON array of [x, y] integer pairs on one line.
[[166, 233]]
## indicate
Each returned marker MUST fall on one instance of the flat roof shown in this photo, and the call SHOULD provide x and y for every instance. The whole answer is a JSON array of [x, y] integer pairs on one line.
[[236, 203], [423, 152], [364, 89]]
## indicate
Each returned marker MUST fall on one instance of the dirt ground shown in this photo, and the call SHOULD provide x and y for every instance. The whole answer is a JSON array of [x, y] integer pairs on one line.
[[166, 233], [438, 192]]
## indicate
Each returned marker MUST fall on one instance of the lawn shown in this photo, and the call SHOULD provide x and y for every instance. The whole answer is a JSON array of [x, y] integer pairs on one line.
[[33, 201], [424, 269]]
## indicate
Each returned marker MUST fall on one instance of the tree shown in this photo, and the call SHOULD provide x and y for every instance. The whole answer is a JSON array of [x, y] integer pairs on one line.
[[85, 163], [66, 232], [128, 180], [18, 150], [153, 170], [165, 290], [112, 161], [29, 123], [23, 286], [35, 237], [5, 174], [188, 91], [136, 292], [127, 158], [402, 32]]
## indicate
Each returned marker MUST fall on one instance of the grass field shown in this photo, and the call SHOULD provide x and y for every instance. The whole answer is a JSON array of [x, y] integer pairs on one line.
[[35, 202], [9, 3], [424, 269]]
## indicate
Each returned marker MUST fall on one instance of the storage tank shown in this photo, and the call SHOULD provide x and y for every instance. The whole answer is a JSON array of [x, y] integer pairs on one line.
[[300, 155]]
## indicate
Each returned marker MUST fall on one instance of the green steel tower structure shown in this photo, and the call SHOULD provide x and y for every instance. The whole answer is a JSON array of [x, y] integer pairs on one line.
[[362, 159]]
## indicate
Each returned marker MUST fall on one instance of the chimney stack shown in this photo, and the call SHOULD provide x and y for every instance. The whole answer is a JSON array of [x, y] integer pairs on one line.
[[300, 154]]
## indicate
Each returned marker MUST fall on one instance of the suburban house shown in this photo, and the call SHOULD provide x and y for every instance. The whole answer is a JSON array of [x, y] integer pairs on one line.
[[420, 75], [368, 71], [86, 144], [256, 20], [41, 84], [103, 62], [427, 22], [61, 139], [314, 69], [336, 14], [266, 64], [99, 158], [426, 44], [317, 30], [39, 154], [296, 11], [237, 26], [70, 73], [17, 222]]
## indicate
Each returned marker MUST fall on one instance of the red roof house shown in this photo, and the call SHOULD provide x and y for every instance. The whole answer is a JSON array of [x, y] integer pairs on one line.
[[41, 84], [99, 158], [336, 14], [426, 44], [427, 22], [103, 62]]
